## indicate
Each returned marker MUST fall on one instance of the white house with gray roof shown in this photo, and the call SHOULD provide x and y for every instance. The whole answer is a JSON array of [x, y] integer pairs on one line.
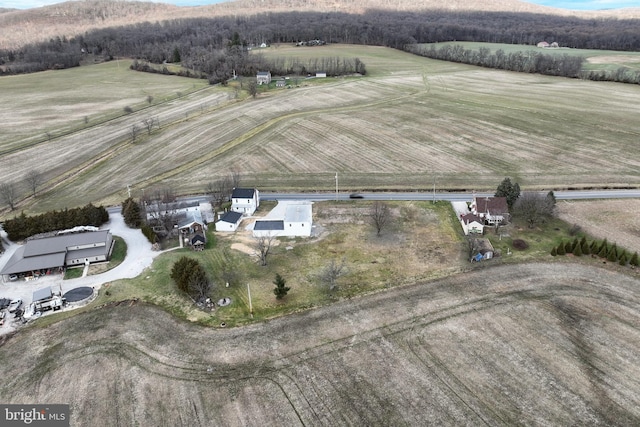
[[245, 200], [52, 254]]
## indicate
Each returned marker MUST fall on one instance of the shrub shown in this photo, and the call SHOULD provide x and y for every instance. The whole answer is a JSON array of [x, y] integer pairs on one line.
[[634, 259], [604, 250], [520, 244], [612, 255], [554, 251], [568, 247]]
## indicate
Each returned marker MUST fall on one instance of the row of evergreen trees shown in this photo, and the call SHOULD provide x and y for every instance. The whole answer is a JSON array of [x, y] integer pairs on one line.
[[21, 227], [602, 249]]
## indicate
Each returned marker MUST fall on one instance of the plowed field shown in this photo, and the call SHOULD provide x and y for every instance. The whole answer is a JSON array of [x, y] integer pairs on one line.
[[539, 344]]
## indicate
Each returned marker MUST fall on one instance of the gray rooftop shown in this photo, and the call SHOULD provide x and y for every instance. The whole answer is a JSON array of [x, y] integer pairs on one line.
[[43, 293], [231, 217], [55, 244], [242, 193], [262, 225]]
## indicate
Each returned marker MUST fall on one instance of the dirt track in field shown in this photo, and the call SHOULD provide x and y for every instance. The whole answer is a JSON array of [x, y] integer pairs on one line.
[[539, 344]]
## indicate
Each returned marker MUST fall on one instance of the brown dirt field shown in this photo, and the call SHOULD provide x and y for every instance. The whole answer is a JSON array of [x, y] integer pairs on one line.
[[538, 344], [616, 220]]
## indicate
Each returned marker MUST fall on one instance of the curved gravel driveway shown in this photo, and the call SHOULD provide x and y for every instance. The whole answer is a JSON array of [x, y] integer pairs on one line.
[[139, 257]]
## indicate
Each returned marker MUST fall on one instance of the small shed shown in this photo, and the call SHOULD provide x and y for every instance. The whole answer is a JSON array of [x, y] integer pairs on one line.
[[281, 83], [197, 242]]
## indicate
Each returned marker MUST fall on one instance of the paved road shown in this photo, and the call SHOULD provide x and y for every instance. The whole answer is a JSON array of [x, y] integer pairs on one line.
[[450, 197]]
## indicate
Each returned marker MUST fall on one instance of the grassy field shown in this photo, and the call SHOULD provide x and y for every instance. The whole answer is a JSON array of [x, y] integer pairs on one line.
[[409, 121]]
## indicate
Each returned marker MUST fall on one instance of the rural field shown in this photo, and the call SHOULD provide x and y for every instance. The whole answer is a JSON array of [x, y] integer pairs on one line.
[[533, 344], [409, 121]]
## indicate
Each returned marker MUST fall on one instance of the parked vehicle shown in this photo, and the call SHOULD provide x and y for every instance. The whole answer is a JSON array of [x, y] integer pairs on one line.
[[356, 196], [31, 312], [13, 277], [15, 305], [3, 315]]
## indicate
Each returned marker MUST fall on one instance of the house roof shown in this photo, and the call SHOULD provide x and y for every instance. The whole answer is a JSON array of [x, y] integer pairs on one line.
[[231, 217], [491, 205], [471, 218], [190, 218], [266, 225], [55, 244], [243, 193], [264, 73]]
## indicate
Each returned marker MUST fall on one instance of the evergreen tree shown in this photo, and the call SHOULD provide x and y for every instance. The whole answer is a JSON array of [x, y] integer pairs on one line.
[[508, 190], [586, 249], [281, 288], [568, 248], [131, 213], [190, 277], [604, 250], [623, 259], [612, 255], [634, 259], [554, 251], [577, 250], [561, 250], [594, 247], [604, 245]]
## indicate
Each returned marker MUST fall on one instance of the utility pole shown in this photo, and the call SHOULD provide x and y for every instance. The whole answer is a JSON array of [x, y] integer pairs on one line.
[[434, 188], [250, 306], [336, 186]]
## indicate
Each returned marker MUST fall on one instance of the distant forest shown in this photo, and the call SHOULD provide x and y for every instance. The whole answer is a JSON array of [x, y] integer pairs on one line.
[[216, 47]]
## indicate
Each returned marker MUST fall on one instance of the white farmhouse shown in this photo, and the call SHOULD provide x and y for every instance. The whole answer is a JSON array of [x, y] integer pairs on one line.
[[245, 200]]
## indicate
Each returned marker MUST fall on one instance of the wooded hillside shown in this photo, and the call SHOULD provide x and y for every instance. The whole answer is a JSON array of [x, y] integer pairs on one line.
[[69, 19]]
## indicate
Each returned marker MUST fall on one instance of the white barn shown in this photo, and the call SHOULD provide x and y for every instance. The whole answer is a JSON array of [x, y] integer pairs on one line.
[[290, 219]]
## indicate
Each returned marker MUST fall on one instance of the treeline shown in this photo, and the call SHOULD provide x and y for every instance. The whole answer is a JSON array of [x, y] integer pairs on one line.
[[21, 227], [602, 249], [524, 62], [204, 44]]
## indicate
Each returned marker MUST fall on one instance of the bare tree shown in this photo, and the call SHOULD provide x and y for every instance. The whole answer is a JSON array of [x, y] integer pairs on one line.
[[263, 247], [33, 179], [379, 215], [149, 99], [534, 208], [220, 190], [161, 211], [149, 123], [330, 274], [8, 194], [134, 132]]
